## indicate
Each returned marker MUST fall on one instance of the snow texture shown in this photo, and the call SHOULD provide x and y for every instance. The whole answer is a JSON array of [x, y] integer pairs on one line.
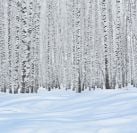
[[100, 111]]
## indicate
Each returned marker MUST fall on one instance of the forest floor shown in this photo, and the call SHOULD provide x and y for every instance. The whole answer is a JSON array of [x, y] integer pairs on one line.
[[99, 111]]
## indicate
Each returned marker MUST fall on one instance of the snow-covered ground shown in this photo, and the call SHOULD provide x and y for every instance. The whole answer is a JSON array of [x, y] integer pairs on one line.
[[100, 111]]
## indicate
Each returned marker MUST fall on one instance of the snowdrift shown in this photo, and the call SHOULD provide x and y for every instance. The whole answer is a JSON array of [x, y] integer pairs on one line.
[[99, 111]]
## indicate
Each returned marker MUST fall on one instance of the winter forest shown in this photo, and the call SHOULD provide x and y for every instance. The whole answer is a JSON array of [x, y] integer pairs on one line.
[[71, 44]]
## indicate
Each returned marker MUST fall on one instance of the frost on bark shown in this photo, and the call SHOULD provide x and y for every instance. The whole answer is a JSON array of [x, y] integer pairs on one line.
[[3, 84], [16, 47], [10, 35], [105, 42]]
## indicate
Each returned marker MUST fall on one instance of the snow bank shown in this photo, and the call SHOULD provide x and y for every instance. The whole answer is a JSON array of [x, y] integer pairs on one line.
[[102, 111]]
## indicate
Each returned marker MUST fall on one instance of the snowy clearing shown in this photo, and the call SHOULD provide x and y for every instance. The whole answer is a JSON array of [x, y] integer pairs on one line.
[[100, 111]]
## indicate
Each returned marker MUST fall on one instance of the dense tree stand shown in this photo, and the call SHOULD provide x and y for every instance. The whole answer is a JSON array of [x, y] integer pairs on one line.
[[67, 44]]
